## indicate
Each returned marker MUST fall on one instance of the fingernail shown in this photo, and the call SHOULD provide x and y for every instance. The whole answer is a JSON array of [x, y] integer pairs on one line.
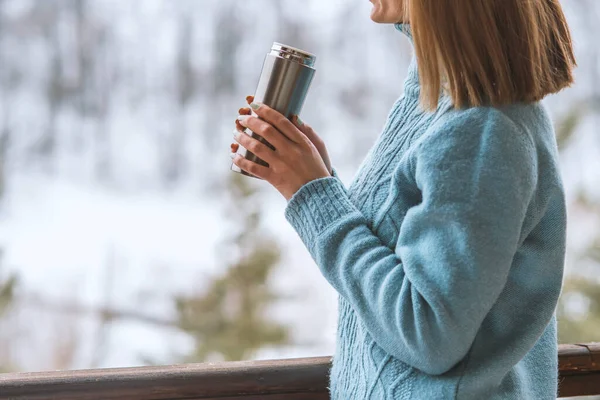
[[236, 133], [300, 122], [232, 155], [243, 118], [255, 106]]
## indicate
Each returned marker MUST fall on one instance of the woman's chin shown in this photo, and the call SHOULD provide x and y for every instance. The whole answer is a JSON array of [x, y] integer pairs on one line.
[[377, 17]]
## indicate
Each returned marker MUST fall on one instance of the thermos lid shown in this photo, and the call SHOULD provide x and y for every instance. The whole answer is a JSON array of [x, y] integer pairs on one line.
[[294, 54]]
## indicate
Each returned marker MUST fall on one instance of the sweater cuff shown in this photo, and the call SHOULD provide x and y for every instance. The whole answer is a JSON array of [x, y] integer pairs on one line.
[[316, 206]]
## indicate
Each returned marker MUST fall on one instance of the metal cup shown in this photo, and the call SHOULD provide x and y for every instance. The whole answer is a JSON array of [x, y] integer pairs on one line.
[[283, 85]]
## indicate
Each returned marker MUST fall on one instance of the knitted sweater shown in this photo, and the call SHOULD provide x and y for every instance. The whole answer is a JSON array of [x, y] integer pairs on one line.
[[447, 253]]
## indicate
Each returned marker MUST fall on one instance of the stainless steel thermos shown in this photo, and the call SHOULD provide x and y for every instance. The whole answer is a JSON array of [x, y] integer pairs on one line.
[[284, 81]]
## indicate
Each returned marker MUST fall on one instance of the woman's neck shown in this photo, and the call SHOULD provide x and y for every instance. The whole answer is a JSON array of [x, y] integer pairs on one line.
[[411, 84]]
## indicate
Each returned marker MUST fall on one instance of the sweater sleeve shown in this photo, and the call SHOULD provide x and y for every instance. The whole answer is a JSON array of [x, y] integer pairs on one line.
[[424, 300]]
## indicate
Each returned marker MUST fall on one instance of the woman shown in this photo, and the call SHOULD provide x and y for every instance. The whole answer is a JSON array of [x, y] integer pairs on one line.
[[447, 249]]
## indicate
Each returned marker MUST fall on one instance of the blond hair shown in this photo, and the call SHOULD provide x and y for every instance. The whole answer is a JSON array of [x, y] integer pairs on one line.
[[490, 52]]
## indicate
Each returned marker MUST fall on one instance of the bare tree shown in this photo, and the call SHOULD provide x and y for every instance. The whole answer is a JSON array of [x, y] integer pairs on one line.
[[175, 163]]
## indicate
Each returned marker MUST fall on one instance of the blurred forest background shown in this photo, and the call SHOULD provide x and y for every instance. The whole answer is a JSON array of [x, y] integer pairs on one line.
[[124, 237]]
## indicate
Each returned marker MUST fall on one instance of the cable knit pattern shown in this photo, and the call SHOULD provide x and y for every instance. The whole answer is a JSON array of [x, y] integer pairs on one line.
[[447, 252]]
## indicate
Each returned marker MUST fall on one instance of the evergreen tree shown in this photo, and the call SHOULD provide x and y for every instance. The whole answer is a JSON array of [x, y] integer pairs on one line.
[[7, 290], [229, 320]]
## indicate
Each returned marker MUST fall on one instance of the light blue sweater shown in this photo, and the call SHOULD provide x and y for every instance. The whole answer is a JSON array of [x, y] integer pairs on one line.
[[447, 252]]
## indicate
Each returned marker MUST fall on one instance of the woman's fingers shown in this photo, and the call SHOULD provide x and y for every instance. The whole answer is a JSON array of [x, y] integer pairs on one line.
[[315, 139], [242, 111], [250, 166], [280, 122], [251, 144], [307, 130], [245, 111], [255, 146], [238, 125], [264, 129]]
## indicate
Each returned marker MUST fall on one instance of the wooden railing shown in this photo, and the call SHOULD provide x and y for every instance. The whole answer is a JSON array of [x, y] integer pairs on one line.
[[579, 367], [292, 379]]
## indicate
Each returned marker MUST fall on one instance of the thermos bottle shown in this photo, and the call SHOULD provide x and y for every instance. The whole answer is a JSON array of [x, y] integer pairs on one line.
[[284, 81]]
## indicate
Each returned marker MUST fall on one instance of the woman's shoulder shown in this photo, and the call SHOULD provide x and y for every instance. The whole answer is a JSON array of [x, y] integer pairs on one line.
[[488, 139], [520, 124]]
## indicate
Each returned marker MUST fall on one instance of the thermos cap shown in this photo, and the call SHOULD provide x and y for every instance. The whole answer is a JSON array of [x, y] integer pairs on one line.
[[293, 54]]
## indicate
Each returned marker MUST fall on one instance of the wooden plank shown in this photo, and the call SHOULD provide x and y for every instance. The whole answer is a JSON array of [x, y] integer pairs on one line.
[[579, 357], [280, 396], [587, 384], [292, 379], [579, 366], [302, 377]]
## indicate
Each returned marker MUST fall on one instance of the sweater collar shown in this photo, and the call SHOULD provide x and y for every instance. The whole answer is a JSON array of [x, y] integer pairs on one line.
[[411, 83], [404, 28]]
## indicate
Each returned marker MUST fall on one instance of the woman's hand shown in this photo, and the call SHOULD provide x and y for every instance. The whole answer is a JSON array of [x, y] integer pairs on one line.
[[315, 139], [295, 160], [305, 128]]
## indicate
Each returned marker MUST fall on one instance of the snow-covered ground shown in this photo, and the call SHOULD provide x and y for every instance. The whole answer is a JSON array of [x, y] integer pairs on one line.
[[63, 239]]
